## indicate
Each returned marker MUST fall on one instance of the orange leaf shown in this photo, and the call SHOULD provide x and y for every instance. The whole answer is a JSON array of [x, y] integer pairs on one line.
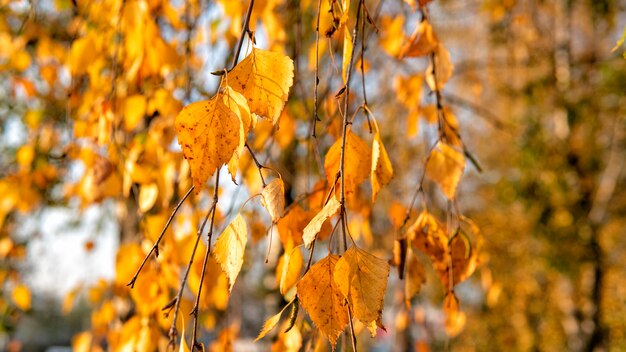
[[362, 279], [322, 299]]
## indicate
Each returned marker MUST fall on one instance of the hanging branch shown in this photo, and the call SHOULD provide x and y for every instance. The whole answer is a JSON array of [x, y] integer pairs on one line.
[[346, 123], [155, 247], [173, 333], [194, 311]]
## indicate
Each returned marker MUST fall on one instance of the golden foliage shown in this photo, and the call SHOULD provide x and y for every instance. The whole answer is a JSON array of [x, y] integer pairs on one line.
[[322, 299]]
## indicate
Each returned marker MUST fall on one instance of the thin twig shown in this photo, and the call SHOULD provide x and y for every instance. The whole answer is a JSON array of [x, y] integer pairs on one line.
[[194, 311], [244, 30], [317, 63], [155, 247], [173, 333], [346, 121], [259, 166]]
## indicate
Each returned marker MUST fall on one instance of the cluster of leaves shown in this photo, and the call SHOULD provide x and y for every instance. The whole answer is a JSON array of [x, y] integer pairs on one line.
[[124, 97]]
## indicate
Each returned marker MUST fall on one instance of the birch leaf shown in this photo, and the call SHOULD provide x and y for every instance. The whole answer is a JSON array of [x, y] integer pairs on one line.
[[382, 171], [415, 277], [322, 299], [362, 279], [422, 42], [315, 225], [288, 269], [273, 198], [358, 161], [208, 133], [230, 247], [264, 78], [445, 167], [269, 325]]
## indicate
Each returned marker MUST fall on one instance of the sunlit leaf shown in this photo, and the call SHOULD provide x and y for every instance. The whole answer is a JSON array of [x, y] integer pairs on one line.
[[315, 225], [322, 299], [422, 42], [443, 71], [208, 133], [273, 198], [382, 171], [230, 247], [362, 279], [269, 325], [357, 163], [445, 166], [21, 297], [264, 78]]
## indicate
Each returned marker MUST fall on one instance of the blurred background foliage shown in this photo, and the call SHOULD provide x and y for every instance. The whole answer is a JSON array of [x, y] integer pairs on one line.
[[88, 96]]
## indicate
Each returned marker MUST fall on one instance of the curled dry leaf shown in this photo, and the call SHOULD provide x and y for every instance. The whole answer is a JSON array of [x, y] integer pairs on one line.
[[445, 166], [362, 279], [264, 78], [273, 198], [230, 247], [322, 299], [315, 225]]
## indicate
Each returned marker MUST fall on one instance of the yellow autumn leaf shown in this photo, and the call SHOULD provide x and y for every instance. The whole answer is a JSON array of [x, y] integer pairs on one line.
[[237, 103], [148, 194], [134, 110], [444, 68], [362, 278], [415, 276], [409, 90], [357, 163], [264, 78], [455, 318], [391, 34], [445, 166], [422, 42], [315, 225], [273, 198], [183, 345], [288, 269], [21, 297], [269, 325], [230, 247], [322, 299], [208, 133], [382, 171]]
